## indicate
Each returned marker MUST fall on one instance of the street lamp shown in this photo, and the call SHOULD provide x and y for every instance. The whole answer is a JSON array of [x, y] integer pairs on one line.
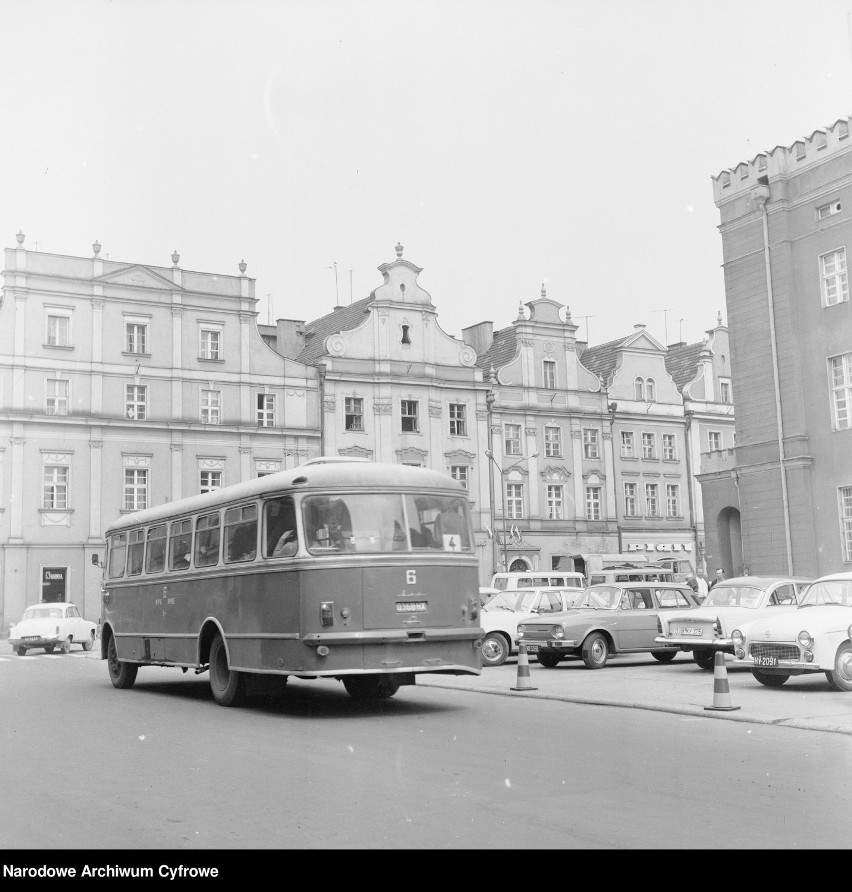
[[503, 472]]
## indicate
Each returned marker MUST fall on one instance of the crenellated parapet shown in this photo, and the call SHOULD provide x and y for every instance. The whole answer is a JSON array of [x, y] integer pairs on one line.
[[783, 161]]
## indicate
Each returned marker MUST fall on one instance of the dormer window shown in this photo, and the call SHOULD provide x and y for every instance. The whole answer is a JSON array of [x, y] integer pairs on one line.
[[406, 339]]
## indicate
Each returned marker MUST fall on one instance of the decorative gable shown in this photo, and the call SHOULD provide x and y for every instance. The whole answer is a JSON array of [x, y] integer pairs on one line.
[[136, 276]]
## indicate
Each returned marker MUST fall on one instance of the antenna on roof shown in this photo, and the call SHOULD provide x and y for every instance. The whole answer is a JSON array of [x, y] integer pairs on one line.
[[336, 290], [665, 322], [587, 325], [680, 330], [269, 308]]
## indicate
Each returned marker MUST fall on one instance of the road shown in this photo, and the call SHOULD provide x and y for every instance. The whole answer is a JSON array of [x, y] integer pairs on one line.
[[161, 766]]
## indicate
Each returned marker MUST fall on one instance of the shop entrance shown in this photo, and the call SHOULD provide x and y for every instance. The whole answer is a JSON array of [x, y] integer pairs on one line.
[[54, 582]]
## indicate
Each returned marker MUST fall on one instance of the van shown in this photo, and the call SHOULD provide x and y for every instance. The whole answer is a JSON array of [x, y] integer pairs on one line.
[[537, 579], [631, 573]]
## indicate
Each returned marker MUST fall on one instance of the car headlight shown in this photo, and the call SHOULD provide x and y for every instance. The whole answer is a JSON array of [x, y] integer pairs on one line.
[[520, 632], [805, 638], [557, 632], [737, 637]]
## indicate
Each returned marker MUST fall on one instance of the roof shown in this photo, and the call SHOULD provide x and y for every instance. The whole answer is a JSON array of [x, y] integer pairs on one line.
[[601, 360], [682, 363], [503, 348], [763, 581], [340, 319]]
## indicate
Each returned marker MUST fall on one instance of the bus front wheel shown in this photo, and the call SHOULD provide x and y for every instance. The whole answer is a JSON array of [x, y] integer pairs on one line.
[[370, 687], [228, 686], [122, 675]]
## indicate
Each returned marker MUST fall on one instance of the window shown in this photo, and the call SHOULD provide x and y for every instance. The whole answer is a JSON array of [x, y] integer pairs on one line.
[[514, 500], [210, 480], [669, 447], [406, 336], [266, 410], [408, 410], [673, 499], [458, 424], [725, 391], [55, 491], [135, 401], [512, 438], [846, 521], [460, 474], [240, 534], [137, 337], [56, 396], [842, 129], [552, 441], [280, 533], [135, 489], [627, 447], [841, 389], [593, 503], [136, 552], [207, 540], [630, 504], [651, 506], [590, 443], [549, 372], [761, 162], [650, 390], [554, 502], [210, 346], [649, 446], [835, 281], [117, 556], [155, 557], [714, 439], [828, 210], [58, 330], [639, 389], [180, 544], [210, 406], [354, 413]]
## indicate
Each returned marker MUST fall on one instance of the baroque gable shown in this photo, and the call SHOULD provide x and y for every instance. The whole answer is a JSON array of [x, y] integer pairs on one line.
[[137, 276]]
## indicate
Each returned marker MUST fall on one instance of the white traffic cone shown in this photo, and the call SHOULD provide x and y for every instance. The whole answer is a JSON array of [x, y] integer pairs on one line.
[[721, 691], [523, 683]]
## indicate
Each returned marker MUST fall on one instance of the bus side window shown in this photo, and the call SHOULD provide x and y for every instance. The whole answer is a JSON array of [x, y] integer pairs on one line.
[[117, 556], [207, 540], [280, 521], [136, 553], [180, 544], [155, 559], [241, 534]]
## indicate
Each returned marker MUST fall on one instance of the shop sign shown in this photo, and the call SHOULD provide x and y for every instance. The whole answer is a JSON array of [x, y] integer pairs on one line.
[[660, 546]]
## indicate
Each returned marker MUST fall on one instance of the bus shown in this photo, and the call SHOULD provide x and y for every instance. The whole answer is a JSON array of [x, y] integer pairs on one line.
[[358, 571]]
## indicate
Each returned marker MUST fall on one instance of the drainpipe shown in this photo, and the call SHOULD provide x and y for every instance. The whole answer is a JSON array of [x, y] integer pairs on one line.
[[691, 482], [489, 402], [761, 196]]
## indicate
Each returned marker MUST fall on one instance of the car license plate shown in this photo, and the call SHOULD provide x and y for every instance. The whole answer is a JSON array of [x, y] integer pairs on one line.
[[765, 661], [410, 606], [688, 630], [532, 648], [31, 638]]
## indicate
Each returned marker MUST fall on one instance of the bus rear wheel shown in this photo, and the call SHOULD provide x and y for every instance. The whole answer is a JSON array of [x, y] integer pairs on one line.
[[228, 685], [122, 675], [370, 687]]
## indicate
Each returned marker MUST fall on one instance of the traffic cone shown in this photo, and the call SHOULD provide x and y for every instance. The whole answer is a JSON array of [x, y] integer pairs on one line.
[[721, 691], [523, 683]]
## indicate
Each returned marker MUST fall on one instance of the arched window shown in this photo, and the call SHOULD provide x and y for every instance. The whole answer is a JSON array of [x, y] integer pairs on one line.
[[650, 390], [639, 388], [406, 339]]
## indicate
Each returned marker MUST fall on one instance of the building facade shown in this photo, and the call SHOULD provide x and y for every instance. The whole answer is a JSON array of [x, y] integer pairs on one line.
[[123, 386], [781, 501]]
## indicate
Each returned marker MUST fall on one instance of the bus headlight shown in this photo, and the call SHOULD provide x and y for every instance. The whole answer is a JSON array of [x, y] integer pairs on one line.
[[557, 632], [805, 639], [737, 637], [322, 651], [327, 613]]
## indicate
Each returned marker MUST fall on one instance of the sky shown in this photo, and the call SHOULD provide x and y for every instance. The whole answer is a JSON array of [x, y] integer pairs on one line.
[[506, 144]]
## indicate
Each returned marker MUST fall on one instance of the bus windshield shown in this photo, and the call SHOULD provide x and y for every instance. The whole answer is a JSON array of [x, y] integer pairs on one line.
[[386, 522]]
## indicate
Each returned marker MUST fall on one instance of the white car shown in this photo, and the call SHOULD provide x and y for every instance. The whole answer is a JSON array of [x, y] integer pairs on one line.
[[49, 626], [812, 638], [501, 615], [707, 629]]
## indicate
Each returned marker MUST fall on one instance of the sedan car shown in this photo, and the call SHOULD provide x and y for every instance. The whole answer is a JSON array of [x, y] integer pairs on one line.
[[50, 625], [815, 637], [741, 599], [501, 615], [620, 618]]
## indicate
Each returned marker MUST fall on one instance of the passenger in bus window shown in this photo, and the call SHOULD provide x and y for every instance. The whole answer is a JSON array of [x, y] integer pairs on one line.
[[281, 538]]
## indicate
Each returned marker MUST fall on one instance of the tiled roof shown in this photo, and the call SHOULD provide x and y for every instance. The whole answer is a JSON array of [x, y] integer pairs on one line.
[[340, 319], [601, 360], [502, 350], [682, 363]]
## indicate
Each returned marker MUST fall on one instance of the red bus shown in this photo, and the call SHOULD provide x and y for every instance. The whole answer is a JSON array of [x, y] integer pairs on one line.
[[353, 570]]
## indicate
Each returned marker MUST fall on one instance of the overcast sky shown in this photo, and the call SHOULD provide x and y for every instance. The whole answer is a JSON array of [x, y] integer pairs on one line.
[[505, 143]]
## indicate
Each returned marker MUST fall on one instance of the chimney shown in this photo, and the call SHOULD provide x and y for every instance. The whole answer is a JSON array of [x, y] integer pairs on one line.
[[479, 336]]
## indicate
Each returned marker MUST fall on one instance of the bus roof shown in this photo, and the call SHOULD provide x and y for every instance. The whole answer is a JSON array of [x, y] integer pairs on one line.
[[312, 476]]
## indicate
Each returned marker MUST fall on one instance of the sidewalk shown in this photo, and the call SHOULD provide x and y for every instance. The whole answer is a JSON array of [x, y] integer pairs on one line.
[[680, 687]]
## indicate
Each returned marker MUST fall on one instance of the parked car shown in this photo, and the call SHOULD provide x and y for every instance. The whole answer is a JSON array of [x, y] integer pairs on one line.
[[537, 579], [50, 625], [815, 637], [708, 629], [501, 615], [608, 620]]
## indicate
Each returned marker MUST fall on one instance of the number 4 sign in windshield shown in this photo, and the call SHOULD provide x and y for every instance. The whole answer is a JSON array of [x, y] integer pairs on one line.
[[452, 543]]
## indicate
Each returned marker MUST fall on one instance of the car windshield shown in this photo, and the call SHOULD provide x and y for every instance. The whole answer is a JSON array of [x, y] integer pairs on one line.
[[725, 595], [601, 597], [517, 600], [43, 613], [830, 591]]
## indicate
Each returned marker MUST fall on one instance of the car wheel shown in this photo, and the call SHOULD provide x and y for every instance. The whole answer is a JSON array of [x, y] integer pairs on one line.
[[228, 686], [495, 650], [704, 658], [768, 679], [20, 651], [122, 675], [88, 645], [48, 648], [370, 687], [664, 656], [548, 660], [66, 645], [840, 678], [595, 651]]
